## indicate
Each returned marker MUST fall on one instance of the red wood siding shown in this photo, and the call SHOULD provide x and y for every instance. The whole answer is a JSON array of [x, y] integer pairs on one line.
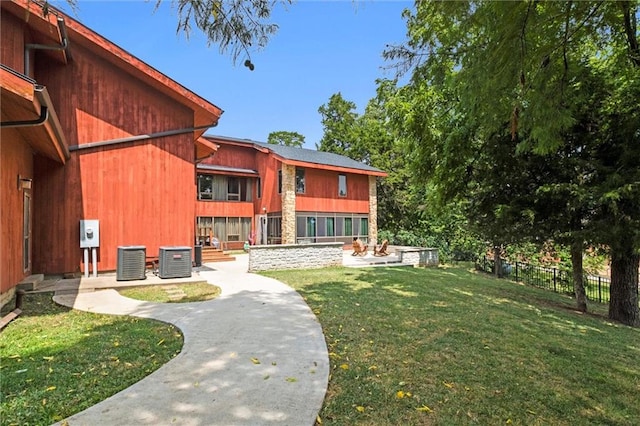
[[12, 46], [321, 193], [234, 156], [143, 193], [224, 209], [16, 159], [268, 170]]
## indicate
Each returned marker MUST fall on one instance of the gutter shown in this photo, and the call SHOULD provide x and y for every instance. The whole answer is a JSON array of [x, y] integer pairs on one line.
[[63, 46], [132, 139]]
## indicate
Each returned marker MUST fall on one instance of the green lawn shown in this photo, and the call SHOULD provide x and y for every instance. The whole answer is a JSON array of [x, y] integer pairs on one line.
[[55, 362], [412, 346], [176, 293]]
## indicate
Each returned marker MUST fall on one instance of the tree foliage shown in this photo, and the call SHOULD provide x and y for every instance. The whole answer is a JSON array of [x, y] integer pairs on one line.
[[286, 138], [526, 110], [237, 27]]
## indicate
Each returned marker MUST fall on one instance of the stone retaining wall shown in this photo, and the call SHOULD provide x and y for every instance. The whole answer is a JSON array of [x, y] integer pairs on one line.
[[294, 256], [418, 256]]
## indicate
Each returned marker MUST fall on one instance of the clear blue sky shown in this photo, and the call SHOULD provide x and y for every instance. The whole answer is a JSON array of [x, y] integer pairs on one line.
[[321, 48]]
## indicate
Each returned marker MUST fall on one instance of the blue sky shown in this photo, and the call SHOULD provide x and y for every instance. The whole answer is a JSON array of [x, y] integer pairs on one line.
[[321, 48]]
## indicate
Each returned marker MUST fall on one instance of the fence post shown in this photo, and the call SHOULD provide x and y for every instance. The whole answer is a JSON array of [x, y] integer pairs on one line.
[[599, 289], [554, 280], [516, 271]]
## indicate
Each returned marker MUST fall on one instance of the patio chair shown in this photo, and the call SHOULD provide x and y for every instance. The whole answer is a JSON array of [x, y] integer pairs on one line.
[[382, 251], [359, 248]]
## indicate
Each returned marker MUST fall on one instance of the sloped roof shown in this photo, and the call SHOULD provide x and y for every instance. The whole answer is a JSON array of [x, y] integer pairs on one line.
[[304, 155]]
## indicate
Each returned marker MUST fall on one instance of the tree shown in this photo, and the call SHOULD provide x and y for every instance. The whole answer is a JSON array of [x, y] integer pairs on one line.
[[237, 27], [483, 69], [340, 128], [286, 139]]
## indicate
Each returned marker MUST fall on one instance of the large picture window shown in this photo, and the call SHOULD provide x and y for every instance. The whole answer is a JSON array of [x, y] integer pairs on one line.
[[330, 227], [224, 188]]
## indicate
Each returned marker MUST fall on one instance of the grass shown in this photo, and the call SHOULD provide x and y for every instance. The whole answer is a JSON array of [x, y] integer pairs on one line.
[[55, 362], [191, 292], [411, 346]]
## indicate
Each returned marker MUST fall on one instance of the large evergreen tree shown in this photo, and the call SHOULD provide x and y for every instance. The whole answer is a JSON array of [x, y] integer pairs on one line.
[[519, 70]]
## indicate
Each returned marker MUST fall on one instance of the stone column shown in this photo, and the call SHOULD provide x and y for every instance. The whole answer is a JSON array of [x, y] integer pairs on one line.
[[288, 204], [373, 210]]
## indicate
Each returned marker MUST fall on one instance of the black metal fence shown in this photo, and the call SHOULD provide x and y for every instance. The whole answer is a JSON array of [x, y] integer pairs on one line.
[[555, 279]]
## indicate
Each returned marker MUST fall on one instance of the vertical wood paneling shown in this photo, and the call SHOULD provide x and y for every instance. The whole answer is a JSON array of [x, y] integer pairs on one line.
[[143, 193], [224, 208], [12, 46], [234, 156], [16, 159]]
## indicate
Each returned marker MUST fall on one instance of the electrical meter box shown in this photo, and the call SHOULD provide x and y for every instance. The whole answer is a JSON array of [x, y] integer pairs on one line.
[[89, 233]]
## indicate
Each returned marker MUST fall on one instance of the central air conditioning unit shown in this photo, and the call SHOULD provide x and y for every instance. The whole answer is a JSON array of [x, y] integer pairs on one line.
[[174, 262], [131, 263]]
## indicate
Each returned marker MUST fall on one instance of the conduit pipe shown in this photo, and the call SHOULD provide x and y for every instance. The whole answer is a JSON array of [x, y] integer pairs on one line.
[[132, 139], [63, 46]]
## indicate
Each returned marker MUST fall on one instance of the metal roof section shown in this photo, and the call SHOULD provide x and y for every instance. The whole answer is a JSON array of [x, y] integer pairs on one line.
[[305, 155]]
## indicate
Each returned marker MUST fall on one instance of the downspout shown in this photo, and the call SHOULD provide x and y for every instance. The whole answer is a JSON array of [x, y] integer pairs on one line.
[[63, 46], [132, 139]]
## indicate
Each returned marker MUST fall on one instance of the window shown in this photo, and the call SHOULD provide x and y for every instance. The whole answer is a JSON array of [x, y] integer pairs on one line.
[[364, 226], [233, 189], [205, 187], [274, 226], [224, 188], [300, 189], [342, 185], [301, 223], [259, 188], [279, 181], [348, 226], [311, 227], [331, 227]]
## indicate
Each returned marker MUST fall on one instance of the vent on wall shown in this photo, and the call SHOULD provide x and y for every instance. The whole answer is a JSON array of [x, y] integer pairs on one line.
[[174, 262], [131, 263]]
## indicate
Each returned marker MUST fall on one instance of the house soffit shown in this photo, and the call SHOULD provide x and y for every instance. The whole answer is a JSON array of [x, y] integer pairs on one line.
[[19, 103]]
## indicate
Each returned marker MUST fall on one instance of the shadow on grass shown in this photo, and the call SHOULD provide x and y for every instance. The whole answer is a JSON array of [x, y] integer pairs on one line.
[[56, 361], [460, 342]]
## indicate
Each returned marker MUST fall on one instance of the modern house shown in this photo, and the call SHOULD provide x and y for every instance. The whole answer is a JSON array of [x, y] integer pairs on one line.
[[89, 132], [98, 150], [274, 194]]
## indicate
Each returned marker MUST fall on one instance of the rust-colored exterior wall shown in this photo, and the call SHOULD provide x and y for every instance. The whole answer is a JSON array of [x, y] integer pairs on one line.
[[16, 159], [224, 208], [234, 156], [321, 193], [12, 46], [321, 188], [142, 193]]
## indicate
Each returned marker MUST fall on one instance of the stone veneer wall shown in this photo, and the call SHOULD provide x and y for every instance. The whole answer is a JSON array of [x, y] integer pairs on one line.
[[294, 256], [373, 211], [418, 256], [288, 204]]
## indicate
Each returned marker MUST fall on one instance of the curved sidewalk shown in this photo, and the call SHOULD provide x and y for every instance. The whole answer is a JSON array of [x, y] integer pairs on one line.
[[216, 379]]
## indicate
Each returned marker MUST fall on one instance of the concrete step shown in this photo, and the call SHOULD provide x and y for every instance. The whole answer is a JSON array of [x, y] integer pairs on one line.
[[31, 282]]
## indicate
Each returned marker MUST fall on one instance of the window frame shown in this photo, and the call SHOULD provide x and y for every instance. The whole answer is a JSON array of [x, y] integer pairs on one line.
[[342, 184], [300, 181]]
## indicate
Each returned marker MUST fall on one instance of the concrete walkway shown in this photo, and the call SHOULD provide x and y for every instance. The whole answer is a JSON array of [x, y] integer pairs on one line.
[[216, 379]]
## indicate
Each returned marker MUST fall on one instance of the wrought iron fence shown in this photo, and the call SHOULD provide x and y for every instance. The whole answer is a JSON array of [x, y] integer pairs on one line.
[[556, 279]]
